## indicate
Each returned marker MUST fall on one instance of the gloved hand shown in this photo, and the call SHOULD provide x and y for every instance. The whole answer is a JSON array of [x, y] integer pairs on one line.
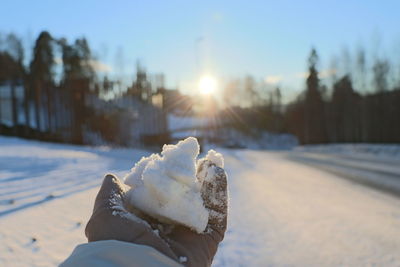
[[114, 218], [111, 221]]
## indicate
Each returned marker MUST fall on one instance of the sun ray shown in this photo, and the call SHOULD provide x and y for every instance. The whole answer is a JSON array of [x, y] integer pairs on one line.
[[207, 85]]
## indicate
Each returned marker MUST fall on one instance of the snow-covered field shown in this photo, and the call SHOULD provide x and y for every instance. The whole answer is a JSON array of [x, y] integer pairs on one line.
[[32, 173], [282, 212]]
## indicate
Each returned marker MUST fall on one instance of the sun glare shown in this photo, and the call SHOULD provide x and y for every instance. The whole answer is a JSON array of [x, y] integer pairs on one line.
[[207, 85]]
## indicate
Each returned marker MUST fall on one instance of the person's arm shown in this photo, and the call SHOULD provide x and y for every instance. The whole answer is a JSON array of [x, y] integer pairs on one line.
[[117, 253]]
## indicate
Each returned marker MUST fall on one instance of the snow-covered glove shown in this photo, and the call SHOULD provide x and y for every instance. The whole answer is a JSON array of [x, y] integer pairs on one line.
[[111, 221], [195, 249]]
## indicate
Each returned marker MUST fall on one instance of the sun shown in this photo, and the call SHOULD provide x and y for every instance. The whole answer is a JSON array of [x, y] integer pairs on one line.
[[207, 85]]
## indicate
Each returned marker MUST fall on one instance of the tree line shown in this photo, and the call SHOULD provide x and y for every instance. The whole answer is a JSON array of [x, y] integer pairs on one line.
[[361, 103], [45, 98], [343, 114], [58, 84]]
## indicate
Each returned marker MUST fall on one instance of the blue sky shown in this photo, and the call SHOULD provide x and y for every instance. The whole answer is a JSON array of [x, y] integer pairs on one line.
[[184, 39]]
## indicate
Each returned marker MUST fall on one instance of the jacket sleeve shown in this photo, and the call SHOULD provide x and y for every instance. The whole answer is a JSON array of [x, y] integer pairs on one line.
[[117, 253]]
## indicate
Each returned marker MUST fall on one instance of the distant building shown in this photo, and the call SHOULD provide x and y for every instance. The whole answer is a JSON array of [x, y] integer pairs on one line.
[[143, 123], [137, 116]]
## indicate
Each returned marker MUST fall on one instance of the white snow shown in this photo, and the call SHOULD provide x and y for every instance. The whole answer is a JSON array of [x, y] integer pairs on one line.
[[182, 259], [35, 172], [367, 151], [57, 226], [166, 186], [215, 157], [205, 168], [371, 164], [282, 213], [134, 178]]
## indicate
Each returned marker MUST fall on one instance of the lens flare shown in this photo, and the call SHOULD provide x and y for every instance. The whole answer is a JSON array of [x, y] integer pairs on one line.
[[207, 85]]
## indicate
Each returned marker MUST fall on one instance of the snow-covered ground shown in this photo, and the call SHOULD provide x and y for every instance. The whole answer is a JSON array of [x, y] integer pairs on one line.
[[369, 164], [287, 214], [282, 212], [367, 151], [32, 173]]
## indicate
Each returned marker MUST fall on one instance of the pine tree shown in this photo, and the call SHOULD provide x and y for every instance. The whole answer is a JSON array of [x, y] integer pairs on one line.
[[314, 105], [41, 76]]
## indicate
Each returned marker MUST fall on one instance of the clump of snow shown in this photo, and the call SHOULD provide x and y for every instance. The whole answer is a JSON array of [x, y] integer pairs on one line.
[[134, 178], [182, 259], [206, 166], [216, 158], [166, 186]]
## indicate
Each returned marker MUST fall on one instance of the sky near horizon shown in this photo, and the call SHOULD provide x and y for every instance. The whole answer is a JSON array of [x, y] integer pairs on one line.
[[270, 40]]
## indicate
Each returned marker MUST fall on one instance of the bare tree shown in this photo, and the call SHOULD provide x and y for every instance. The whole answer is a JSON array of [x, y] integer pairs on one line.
[[380, 71]]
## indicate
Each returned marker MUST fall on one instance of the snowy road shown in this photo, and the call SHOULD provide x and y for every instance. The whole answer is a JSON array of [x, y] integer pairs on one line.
[[282, 212], [376, 172], [287, 214]]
